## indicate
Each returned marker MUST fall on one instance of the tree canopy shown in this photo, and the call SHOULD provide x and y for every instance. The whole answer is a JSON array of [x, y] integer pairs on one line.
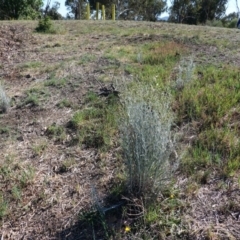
[[197, 11], [52, 12], [15, 9], [147, 10], [75, 8], [142, 9]]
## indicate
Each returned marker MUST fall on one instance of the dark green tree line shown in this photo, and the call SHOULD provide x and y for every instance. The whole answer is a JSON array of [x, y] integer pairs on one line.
[[197, 11], [15, 9], [212, 9], [128, 9], [148, 10]]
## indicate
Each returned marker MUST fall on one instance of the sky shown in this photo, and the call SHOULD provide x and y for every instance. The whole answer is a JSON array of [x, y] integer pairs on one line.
[[63, 11]]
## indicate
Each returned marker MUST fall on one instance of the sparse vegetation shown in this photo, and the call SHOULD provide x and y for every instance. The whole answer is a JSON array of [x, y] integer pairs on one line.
[[64, 103], [34, 97], [209, 105], [3, 207], [4, 130], [85, 59], [39, 148], [56, 132], [59, 83], [29, 65], [95, 124], [95, 114]]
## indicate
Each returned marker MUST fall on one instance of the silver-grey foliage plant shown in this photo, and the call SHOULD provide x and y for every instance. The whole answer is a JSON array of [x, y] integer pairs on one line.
[[146, 139], [185, 72], [4, 100]]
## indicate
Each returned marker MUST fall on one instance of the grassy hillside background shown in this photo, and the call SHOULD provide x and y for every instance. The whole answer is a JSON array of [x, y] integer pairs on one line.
[[119, 130]]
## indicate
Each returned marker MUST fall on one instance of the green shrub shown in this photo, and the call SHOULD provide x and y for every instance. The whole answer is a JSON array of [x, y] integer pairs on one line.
[[233, 23], [45, 25], [214, 23]]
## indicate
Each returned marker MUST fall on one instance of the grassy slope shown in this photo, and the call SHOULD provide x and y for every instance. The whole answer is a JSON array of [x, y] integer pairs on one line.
[[59, 140]]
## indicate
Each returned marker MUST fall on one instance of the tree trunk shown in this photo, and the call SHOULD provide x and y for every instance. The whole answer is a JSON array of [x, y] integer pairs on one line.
[[78, 10]]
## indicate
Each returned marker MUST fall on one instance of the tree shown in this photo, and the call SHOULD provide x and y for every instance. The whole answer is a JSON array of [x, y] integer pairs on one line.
[[15, 9], [47, 7], [52, 12], [106, 3], [211, 9], [183, 11], [102, 2], [230, 20], [147, 10], [238, 11], [76, 8], [197, 11]]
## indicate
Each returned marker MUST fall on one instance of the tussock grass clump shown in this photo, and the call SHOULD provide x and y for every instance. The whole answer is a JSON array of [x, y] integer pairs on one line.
[[4, 100], [34, 97], [64, 103], [56, 132], [146, 140]]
